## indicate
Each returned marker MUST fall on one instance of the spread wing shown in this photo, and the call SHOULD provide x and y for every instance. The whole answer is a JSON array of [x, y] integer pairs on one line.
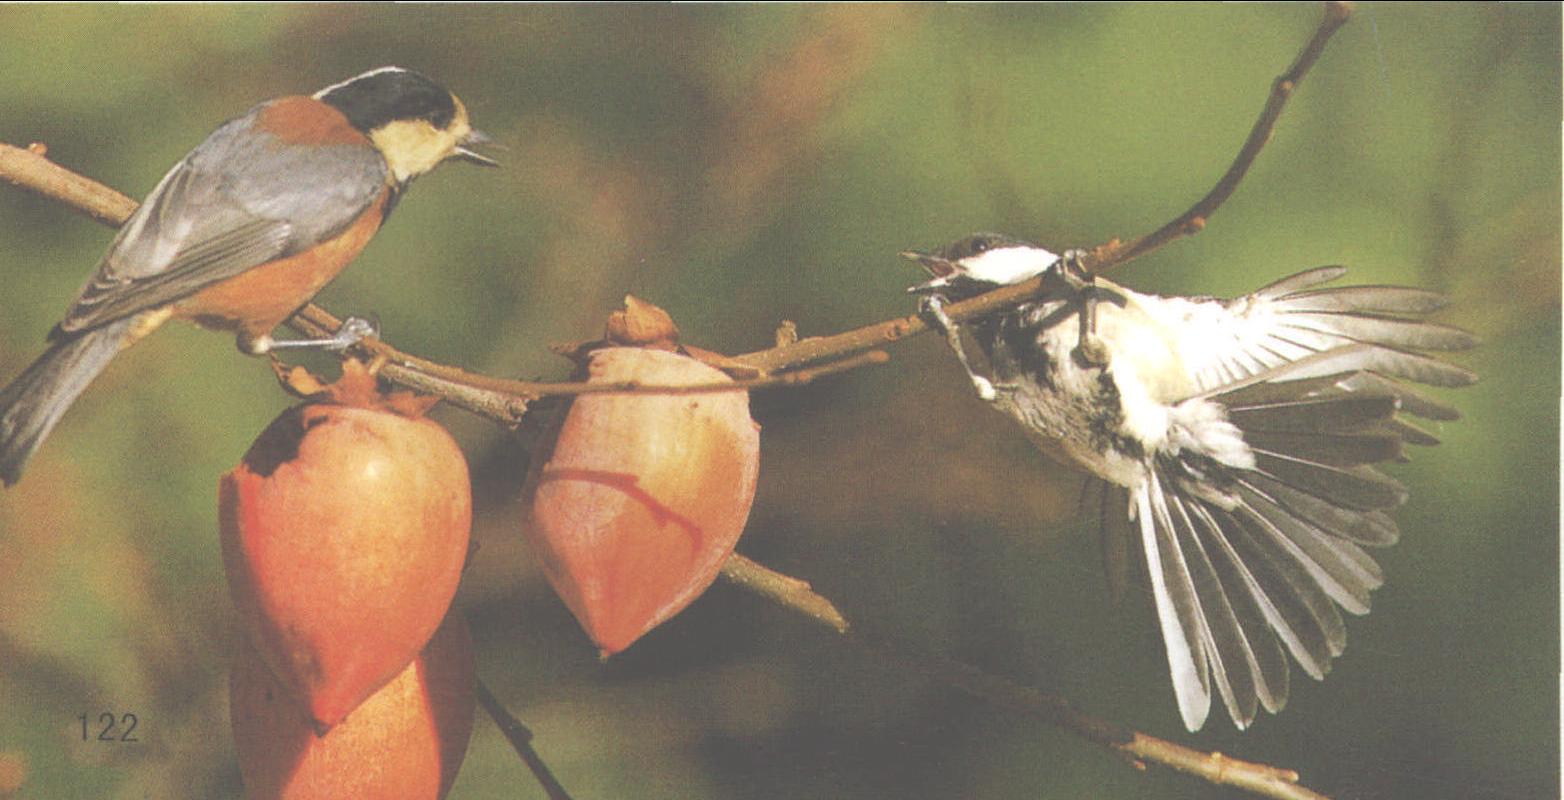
[[1255, 555], [240, 199], [1250, 563], [1228, 341]]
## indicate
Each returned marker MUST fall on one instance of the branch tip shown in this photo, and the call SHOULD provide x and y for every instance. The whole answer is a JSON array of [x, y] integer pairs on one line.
[[506, 401]]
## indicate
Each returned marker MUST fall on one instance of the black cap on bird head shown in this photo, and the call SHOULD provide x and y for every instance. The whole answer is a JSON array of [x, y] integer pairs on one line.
[[414, 121], [381, 96]]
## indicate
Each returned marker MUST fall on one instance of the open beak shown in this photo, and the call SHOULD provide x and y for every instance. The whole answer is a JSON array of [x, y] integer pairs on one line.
[[474, 137], [941, 269]]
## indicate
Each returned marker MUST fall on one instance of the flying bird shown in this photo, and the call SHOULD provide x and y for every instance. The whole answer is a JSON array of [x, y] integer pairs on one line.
[[1235, 439]]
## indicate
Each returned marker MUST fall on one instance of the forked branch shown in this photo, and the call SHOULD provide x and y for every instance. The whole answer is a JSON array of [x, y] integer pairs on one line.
[[1097, 259], [505, 401]]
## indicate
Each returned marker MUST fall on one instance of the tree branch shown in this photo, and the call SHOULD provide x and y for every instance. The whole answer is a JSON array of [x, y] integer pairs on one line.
[[490, 397], [312, 320], [1097, 259], [505, 401], [520, 738], [1138, 748], [1194, 220], [31, 170]]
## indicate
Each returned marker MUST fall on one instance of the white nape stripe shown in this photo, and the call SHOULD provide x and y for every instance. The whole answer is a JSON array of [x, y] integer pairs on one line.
[[338, 85], [1008, 265]]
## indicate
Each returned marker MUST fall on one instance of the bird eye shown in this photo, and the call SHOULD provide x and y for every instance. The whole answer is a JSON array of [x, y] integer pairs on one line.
[[980, 244]]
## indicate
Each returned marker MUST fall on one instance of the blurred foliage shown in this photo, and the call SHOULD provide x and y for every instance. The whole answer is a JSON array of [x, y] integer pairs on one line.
[[741, 165]]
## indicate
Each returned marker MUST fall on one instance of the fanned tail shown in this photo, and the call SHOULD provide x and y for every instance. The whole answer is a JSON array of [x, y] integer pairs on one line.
[[1247, 561]]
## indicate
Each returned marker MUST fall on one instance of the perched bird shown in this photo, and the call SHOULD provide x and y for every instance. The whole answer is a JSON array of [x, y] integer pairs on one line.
[[245, 230], [1235, 438]]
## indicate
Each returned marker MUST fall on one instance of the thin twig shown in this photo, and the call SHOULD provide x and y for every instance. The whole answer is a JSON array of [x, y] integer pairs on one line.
[[1138, 748], [30, 169], [1260, 779], [506, 408], [313, 320], [1097, 259], [37, 173], [784, 590], [1194, 220], [498, 399], [520, 738]]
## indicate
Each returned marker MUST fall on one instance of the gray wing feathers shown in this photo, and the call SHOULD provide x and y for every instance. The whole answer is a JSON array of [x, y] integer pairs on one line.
[[1336, 450], [1251, 610], [1303, 280], [320, 189], [1247, 561], [240, 199], [1374, 328], [1354, 488], [1304, 616], [1386, 331], [1395, 363], [1374, 528], [1313, 414], [36, 399], [1371, 299], [1336, 565], [1407, 399]]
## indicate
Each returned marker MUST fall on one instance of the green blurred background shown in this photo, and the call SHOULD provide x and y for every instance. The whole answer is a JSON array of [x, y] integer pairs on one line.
[[741, 165]]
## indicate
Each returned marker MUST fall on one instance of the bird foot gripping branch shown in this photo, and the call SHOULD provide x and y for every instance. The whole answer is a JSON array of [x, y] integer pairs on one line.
[[1090, 348], [353, 331]]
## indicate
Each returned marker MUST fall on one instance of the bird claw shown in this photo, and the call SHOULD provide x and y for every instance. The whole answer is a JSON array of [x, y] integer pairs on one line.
[[932, 308], [1071, 269], [352, 331], [1091, 349]]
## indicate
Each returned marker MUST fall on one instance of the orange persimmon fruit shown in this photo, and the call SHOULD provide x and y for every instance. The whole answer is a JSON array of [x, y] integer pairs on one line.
[[406, 742], [643, 495], [344, 531]]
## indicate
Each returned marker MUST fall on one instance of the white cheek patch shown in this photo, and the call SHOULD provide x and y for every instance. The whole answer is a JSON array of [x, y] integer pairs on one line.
[[1008, 265]]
